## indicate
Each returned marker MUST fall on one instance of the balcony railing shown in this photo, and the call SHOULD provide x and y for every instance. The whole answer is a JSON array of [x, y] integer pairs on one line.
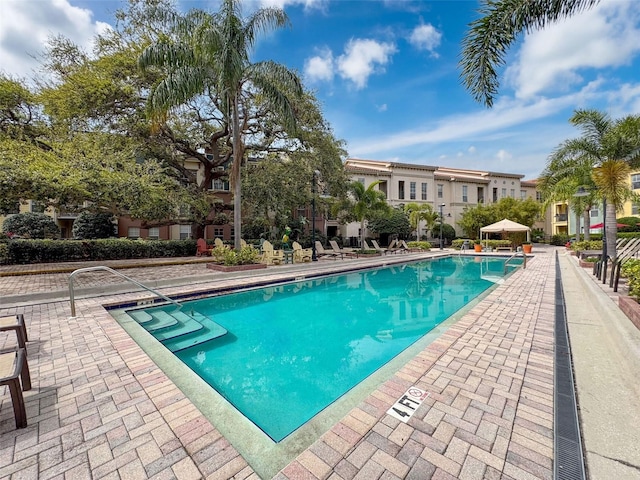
[[561, 217]]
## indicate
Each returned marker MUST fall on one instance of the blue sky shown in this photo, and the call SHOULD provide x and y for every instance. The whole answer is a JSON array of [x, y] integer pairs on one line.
[[387, 77]]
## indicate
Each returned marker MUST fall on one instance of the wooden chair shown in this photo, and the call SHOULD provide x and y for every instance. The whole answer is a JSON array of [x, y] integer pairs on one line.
[[300, 254], [271, 256], [13, 367], [218, 243], [203, 248], [341, 251]]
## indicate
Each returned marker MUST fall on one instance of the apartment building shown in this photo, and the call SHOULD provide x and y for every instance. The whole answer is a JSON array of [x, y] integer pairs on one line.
[[452, 189]]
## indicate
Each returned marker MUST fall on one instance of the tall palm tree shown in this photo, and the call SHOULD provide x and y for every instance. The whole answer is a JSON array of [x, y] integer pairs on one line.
[[362, 203], [603, 143], [209, 58], [420, 213], [489, 37]]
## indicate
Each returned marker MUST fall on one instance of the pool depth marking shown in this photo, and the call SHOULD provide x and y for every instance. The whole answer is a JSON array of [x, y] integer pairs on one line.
[[406, 405]]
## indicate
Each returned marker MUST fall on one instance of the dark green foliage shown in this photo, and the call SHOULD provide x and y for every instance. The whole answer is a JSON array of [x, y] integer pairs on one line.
[[31, 225], [631, 270], [559, 239], [46, 251], [632, 222], [93, 225], [395, 222]]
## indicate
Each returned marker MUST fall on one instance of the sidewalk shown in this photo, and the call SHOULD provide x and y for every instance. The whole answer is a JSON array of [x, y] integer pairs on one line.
[[101, 408]]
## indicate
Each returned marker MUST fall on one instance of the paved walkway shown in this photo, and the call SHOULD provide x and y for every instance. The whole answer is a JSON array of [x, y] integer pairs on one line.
[[100, 408]]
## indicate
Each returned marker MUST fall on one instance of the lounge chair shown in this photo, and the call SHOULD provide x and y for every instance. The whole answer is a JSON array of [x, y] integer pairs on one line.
[[366, 246], [341, 251], [389, 249], [13, 367], [202, 248], [300, 254], [321, 252]]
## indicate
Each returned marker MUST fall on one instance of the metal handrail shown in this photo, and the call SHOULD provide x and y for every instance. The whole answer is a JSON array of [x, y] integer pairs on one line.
[[524, 256], [90, 269]]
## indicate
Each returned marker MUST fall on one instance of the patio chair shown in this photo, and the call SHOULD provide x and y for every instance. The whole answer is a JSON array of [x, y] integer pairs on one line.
[[366, 246], [271, 256], [341, 251], [202, 248], [13, 367], [219, 243], [300, 254], [383, 250], [16, 323], [321, 252]]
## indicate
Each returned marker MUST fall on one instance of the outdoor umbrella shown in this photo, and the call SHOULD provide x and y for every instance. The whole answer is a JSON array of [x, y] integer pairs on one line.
[[600, 225]]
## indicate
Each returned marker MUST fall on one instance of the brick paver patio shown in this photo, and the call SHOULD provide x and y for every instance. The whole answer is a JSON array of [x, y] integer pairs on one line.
[[100, 408]]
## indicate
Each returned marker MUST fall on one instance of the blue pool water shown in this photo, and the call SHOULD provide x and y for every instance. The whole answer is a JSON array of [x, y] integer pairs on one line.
[[295, 348]]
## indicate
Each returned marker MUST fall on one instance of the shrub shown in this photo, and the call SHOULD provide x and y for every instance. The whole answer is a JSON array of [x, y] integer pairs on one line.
[[631, 270], [226, 256], [31, 225], [590, 245], [93, 225], [559, 240], [421, 245]]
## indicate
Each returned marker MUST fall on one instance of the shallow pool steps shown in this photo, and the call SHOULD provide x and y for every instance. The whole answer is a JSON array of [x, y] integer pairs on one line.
[[140, 316], [185, 326], [210, 331], [160, 320]]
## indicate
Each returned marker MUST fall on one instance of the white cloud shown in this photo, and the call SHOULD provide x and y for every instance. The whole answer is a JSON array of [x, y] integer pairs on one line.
[[503, 156], [505, 114], [382, 108], [426, 37], [320, 67], [554, 58], [471, 150], [25, 27], [308, 4], [363, 58]]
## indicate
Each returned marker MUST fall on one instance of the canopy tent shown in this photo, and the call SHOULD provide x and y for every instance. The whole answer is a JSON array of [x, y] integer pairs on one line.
[[506, 226], [600, 225]]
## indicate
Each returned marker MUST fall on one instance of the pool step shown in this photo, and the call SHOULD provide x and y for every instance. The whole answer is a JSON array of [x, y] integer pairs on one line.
[[140, 316], [185, 326], [210, 331], [160, 320]]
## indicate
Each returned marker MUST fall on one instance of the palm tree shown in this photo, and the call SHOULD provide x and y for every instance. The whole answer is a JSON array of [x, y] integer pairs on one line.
[[489, 37], [421, 213], [209, 59], [362, 204], [603, 144]]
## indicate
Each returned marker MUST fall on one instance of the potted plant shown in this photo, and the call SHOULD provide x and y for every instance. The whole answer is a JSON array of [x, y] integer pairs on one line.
[[526, 247], [477, 246]]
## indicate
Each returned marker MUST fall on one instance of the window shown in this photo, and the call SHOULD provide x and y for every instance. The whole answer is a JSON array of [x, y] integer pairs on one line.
[[512, 193], [480, 194], [523, 194], [361, 180], [595, 212], [401, 190], [635, 181], [424, 191], [539, 197], [218, 232], [221, 184], [185, 232], [412, 190], [495, 195], [634, 209], [133, 232], [440, 188], [36, 207], [503, 193], [154, 233], [465, 197]]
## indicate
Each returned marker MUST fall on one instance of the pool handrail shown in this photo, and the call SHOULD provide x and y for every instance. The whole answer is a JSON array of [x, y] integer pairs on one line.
[[524, 256], [100, 267]]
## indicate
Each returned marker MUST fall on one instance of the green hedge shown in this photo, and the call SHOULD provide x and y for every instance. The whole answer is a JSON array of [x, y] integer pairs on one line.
[[49, 251], [590, 245], [457, 243], [421, 245], [631, 270]]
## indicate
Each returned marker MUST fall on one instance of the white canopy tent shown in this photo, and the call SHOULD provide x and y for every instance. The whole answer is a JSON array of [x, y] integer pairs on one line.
[[506, 226]]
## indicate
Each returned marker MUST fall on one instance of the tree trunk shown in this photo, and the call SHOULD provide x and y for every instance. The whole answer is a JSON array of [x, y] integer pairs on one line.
[[587, 224], [578, 214], [362, 236], [238, 153], [611, 230]]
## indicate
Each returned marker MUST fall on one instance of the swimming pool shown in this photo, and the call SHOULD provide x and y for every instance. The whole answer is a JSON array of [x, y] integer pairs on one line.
[[293, 349]]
